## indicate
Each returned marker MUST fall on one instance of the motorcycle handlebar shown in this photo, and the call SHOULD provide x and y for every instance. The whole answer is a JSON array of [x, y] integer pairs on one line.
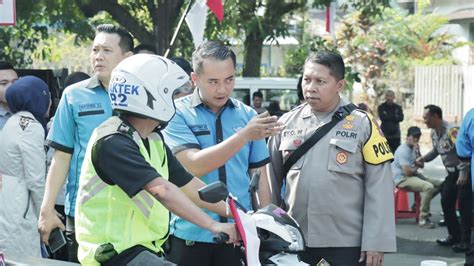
[[220, 238]]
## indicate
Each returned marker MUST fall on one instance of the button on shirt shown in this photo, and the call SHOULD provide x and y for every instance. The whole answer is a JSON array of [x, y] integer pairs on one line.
[[195, 126], [83, 107]]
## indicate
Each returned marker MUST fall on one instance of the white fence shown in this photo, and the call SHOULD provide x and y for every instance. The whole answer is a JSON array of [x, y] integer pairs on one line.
[[449, 87]]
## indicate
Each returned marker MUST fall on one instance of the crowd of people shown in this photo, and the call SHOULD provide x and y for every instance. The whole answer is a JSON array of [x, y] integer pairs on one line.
[[129, 148]]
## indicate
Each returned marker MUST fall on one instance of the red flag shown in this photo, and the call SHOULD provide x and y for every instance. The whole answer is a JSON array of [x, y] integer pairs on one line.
[[217, 8], [330, 17]]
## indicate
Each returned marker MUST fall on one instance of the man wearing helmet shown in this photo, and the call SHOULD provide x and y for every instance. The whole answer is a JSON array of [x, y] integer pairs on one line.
[[130, 178], [216, 137], [83, 106]]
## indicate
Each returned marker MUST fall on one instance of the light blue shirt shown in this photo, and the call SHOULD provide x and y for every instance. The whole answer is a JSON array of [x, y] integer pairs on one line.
[[196, 126], [404, 155], [83, 107], [465, 141], [4, 115]]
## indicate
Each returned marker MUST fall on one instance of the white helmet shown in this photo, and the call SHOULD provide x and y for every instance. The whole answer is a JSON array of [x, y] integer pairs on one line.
[[144, 84]]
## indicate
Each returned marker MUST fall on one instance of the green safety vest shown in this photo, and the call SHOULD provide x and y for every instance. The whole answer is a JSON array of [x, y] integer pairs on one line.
[[107, 220]]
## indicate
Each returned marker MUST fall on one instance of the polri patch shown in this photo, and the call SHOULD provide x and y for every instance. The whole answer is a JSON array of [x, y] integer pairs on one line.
[[346, 134]]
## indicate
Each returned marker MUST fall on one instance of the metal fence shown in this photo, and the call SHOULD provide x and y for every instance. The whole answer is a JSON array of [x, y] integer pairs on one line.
[[450, 87]]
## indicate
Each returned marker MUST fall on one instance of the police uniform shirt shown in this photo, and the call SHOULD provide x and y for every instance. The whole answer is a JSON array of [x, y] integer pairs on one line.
[[341, 190], [83, 107], [444, 145]]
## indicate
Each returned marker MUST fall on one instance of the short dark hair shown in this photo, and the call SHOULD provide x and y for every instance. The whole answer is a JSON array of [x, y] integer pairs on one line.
[[330, 59], [126, 40], [183, 63], [75, 77], [257, 94], [434, 110], [299, 88], [4, 65], [212, 50], [144, 46]]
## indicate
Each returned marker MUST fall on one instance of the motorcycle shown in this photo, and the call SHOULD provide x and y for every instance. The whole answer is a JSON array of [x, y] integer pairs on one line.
[[270, 236]]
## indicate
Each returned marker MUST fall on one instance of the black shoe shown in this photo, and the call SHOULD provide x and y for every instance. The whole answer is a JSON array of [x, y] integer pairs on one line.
[[448, 241], [460, 247], [442, 222]]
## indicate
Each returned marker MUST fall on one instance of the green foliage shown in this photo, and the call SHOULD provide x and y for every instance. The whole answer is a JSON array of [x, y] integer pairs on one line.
[[385, 48], [294, 59], [36, 20]]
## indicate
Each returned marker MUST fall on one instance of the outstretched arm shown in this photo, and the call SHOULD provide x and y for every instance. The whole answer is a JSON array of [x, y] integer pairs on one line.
[[201, 162], [177, 202]]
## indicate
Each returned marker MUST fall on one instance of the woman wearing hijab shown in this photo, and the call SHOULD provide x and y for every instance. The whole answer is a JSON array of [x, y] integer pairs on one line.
[[23, 167]]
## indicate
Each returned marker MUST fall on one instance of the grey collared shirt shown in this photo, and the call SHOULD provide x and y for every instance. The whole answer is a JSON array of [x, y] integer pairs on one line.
[[339, 198], [444, 145]]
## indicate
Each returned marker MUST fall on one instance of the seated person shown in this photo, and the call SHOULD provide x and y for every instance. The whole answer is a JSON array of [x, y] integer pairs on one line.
[[406, 175]]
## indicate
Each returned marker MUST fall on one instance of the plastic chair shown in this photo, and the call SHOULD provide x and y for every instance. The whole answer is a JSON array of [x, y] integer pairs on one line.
[[402, 209]]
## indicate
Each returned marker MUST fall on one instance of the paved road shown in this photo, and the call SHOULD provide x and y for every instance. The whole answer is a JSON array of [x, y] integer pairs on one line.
[[415, 244]]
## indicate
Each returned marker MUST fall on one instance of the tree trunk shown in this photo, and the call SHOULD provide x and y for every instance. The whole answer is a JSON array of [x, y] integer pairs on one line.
[[253, 45], [168, 16]]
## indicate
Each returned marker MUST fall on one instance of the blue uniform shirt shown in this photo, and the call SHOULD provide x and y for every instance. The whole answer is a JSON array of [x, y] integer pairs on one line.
[[465, 142], [83, 107], [196, 126]]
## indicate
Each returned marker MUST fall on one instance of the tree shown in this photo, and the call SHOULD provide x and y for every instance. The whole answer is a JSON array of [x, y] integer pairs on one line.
[[252, 22], [135, 17], [386, 50], [149, 21]]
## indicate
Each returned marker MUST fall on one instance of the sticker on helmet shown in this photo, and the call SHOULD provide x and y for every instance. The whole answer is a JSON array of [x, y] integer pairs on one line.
[[119, 91]]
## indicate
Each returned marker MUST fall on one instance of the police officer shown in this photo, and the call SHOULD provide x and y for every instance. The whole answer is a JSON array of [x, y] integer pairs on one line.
[[465, 150], [130, 178], [339, 190], [456, 183]]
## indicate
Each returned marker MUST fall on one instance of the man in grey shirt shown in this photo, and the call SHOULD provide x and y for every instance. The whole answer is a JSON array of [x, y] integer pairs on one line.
[[406, 175], [457, 184]]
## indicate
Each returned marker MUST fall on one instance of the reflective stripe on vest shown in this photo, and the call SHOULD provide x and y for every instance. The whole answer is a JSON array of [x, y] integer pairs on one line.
[[107, 216]]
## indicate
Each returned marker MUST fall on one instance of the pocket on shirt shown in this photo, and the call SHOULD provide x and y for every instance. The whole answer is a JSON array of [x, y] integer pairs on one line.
[[288, 146], [342, 155]]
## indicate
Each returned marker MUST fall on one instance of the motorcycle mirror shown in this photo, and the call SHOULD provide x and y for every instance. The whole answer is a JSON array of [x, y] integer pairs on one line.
[[213, 192]]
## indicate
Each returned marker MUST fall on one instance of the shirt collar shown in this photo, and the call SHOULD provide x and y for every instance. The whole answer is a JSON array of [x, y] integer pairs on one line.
[[308, 112], [4, 112], [196, 100], [94, 82]]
